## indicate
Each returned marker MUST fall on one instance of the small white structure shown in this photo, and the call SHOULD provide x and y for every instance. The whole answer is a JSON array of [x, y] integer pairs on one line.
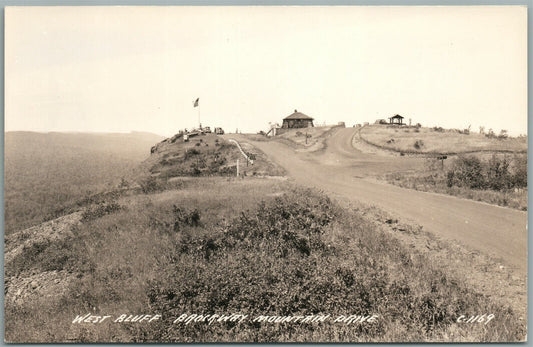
[[273, 129]]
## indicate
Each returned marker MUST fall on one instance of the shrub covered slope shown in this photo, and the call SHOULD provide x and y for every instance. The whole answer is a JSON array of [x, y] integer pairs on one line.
[[254, 247]]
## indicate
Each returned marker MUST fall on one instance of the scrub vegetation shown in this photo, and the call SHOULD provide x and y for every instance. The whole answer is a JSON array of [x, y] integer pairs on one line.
[[256, 247], [495, 179]]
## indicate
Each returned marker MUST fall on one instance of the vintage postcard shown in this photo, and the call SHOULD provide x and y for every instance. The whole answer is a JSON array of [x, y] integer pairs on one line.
[[183, 174]]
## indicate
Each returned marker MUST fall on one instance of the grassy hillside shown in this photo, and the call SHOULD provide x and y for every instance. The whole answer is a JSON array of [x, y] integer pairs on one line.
[[259, 247], [491, 169], [183, 235], [45, 171], [437, 140], [205, 155], [308, 139], [315, 136]]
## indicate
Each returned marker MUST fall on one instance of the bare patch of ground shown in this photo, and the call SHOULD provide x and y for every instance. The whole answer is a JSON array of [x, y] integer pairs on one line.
[[262, 165], [367, 148], [43, 286], [53, 230], [306, 139]]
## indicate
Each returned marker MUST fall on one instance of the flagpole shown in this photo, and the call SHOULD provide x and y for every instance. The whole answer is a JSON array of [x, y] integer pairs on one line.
[[197, 104]]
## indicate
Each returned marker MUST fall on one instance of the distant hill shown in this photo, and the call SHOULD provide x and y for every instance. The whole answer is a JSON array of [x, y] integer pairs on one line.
[[44, 171], [134, 145]]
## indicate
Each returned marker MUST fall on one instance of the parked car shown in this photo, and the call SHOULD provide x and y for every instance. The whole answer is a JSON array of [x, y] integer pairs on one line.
[[219, 131], [207, 130]]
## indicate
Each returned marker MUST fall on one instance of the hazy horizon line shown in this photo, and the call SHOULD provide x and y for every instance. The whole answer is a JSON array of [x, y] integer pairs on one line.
[[510, 134]]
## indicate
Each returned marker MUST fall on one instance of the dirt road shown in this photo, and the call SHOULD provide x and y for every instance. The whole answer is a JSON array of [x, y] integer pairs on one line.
[[341, 169]]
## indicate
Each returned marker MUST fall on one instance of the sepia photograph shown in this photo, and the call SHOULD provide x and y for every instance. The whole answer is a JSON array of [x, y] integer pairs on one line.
[[265, 174]]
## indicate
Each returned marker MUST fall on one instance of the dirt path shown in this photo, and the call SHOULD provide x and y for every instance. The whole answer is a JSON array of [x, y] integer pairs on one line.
[[341, 169]]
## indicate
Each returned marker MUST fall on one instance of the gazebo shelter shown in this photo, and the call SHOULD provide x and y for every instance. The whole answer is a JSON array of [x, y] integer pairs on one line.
[[396, 119], [297, 120]]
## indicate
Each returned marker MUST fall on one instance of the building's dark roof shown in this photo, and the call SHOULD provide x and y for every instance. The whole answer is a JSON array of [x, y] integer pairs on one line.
[[298, 115], [396, 116]]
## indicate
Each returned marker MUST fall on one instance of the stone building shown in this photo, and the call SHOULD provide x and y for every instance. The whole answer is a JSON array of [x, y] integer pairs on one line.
[[297, 120]]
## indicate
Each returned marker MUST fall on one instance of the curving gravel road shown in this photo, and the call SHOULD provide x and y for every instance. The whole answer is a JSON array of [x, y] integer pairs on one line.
[[340, 168]]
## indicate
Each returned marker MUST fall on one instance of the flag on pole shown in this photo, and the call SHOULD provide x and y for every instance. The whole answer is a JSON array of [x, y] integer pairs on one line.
[[196, 102]]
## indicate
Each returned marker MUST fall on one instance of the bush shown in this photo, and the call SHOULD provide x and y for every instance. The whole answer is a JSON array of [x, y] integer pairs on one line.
[[184, 217], [100, 210], [150, 185], [124, 184], [519, 178], [419, 144], [498, 175], [467, 171], [490, 134], [281, 259], [191, 153], [503, 134], [195, 170], [285, 224]]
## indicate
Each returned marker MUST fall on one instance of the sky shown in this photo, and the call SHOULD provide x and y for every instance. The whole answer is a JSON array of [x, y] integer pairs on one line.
[[121, 69]]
